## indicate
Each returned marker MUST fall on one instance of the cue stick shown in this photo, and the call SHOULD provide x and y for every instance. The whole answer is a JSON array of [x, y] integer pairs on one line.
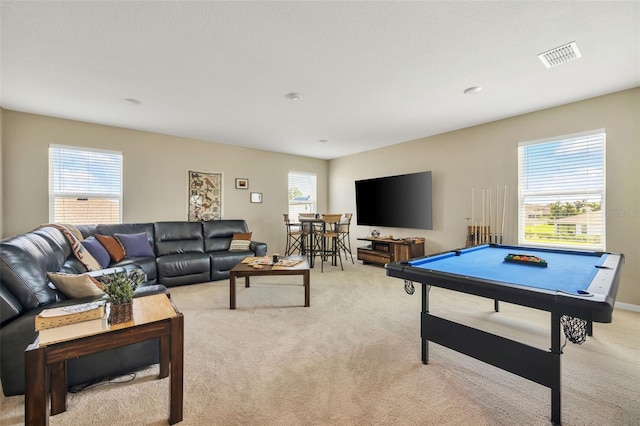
[[483, 211], [486, 225], [504, 206], [472, 213], [495, 231], [489, 217], [475, 235], [493, 228]]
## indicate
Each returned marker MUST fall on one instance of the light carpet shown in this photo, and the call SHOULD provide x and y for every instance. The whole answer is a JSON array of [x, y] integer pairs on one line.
[[353, 358]]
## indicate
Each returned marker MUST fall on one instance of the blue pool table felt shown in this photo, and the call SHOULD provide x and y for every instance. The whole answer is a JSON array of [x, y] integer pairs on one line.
[[566, 272]]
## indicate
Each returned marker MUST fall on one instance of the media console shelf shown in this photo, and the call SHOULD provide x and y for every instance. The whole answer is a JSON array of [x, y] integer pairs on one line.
[[385, 250]]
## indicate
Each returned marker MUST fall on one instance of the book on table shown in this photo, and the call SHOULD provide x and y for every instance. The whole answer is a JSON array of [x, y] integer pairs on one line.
[[65, 315]]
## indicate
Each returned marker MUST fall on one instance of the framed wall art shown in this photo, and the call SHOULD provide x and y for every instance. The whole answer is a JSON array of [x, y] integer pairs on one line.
[[205, 196], [256, 197], [242, 183]]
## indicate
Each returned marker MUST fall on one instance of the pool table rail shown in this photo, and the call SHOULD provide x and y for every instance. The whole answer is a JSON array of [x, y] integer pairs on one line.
[[597, 306]]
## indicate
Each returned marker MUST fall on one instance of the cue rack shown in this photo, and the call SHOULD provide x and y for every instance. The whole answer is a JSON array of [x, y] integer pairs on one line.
[[488, 226]]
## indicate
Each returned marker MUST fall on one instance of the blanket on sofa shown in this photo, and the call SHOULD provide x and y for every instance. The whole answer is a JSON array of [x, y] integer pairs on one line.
[[74, 236]]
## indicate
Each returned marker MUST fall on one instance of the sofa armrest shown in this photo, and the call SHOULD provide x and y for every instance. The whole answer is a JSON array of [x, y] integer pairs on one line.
[[148, 290], [260, 249]]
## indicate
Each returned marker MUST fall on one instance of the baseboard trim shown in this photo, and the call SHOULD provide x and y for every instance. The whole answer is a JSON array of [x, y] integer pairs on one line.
[[627, 307]]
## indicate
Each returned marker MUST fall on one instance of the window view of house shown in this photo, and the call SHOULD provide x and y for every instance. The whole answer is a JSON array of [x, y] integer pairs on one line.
[[85, 185], [561, 192], [302, 194]]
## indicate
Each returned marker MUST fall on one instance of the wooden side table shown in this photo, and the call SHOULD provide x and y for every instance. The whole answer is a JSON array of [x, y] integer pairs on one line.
[[45, 359]]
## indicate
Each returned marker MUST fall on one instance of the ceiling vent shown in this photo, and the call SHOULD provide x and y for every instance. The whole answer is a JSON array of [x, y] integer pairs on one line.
[[566, 53]]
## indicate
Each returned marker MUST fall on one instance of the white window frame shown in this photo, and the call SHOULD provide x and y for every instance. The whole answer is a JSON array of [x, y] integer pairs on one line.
[[590, 184], [83, 182], [304, 206]]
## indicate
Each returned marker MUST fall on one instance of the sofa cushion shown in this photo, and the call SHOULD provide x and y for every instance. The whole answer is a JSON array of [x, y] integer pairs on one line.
[[76, 286], [74, 236], [87, 230], [183, 268], [24, 263], [60, 249], [226, 260], [113, 247], [135, 245], [219, 233], [10, 307], [178, 237], [97, 250]]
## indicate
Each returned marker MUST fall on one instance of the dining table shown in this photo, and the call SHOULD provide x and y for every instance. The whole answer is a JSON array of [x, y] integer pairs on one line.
[[308, 223]]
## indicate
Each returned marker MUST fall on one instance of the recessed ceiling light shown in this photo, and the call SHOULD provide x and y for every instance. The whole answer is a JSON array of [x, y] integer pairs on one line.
[[472, 90], [132, 101], [293, 96]]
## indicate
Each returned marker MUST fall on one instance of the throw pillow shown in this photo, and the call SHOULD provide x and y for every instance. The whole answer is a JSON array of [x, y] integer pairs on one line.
[[240, 242], [112, 246], [74, 236], [97, 250], [75, 286], [135, 245]]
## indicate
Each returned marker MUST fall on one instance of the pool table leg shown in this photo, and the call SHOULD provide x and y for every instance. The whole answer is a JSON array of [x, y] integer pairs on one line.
[[555, 348], [425, 310]]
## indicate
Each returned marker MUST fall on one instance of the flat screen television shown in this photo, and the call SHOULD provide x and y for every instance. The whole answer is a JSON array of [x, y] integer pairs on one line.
[[402, 201]]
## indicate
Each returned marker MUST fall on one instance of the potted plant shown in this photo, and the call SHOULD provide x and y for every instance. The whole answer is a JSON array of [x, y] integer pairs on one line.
[[120, 288]]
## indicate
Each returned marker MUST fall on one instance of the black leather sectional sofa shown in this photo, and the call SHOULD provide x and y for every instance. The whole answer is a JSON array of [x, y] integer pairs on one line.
[[184, 253]]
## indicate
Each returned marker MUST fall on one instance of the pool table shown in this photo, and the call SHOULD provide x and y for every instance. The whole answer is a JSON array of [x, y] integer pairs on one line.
[[580, 284]]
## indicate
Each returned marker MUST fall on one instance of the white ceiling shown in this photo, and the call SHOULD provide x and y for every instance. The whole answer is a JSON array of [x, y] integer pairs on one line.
[[371, 73]]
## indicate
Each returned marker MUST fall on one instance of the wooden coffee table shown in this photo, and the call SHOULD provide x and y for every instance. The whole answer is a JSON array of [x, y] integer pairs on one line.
[[246, 270], [153, 317]]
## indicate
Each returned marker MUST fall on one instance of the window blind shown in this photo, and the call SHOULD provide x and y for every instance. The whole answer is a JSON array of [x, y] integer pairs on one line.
[[85, 185], [302, 194], [561, 191]]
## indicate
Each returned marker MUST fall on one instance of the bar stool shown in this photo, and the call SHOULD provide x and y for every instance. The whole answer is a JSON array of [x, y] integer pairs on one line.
[[308, 241], [344, 242], [326, 239], [295, 237]]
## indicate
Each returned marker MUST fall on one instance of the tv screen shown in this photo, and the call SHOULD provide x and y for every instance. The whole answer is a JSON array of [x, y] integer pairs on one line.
[[402, 201]]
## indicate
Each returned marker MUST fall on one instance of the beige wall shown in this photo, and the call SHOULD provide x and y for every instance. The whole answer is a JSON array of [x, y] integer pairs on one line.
[[155, 171], [1, 175], [486, 155]]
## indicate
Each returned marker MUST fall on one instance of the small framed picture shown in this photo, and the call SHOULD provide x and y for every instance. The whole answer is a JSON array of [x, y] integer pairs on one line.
[[256, 197], [242, 183]]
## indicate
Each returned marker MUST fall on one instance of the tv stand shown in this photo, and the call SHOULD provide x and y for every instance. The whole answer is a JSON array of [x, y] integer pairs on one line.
[[384, 250]]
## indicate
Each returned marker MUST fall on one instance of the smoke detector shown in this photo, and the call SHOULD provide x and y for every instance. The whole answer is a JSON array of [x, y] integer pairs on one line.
[[560, 55]]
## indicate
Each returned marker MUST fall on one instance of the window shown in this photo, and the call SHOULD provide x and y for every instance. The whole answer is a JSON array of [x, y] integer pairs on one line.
[[561, 191], [302, 194], [85, 185]]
